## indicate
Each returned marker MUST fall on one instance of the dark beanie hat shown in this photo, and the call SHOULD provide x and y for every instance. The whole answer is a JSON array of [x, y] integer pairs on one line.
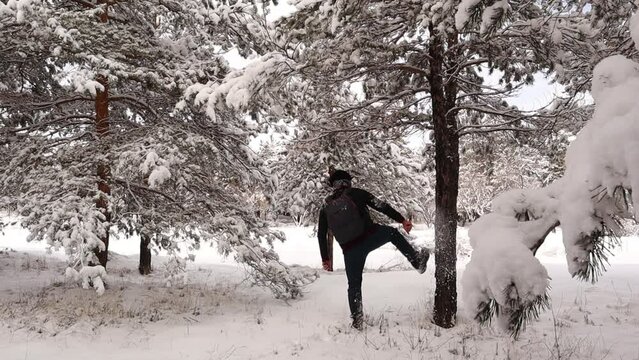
[[339, 175]]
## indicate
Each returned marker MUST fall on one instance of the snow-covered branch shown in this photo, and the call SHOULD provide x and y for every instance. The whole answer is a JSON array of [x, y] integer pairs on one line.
[[602, 169]]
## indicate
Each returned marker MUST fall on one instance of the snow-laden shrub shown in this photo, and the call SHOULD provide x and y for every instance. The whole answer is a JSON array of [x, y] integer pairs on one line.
[[175, 271], [90, 276], [503, 278]]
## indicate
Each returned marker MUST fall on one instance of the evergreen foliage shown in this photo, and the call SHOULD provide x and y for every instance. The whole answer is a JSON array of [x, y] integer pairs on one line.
[[176, 176]]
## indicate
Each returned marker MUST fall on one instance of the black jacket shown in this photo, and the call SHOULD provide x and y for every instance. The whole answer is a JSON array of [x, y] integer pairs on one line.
[[363, 199]]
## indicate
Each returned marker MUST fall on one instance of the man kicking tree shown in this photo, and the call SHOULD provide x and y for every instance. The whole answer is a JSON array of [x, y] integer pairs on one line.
[[345, 214]]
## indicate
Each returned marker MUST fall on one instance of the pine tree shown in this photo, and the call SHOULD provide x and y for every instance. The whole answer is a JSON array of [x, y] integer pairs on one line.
[[418, 65], [161, 174], [446, 66]]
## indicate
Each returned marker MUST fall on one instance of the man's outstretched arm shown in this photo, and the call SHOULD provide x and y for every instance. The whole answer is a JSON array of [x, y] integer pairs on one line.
[[382, 206], [386, 209]]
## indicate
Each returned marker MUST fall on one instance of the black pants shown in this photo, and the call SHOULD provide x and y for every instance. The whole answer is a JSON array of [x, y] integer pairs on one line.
[[355, 258]]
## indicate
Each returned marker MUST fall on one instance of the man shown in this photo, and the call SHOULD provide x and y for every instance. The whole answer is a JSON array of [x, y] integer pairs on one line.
[[345, 213]]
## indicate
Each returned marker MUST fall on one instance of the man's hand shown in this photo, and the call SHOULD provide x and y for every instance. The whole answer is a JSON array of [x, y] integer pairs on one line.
[[327, 265], [408, 226]]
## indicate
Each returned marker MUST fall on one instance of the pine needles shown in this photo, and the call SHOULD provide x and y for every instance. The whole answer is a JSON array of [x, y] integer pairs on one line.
[[599, 245], [600, 242], [517, 313]]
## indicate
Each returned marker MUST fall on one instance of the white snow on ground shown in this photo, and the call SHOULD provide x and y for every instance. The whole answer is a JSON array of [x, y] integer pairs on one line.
[[218, 315]]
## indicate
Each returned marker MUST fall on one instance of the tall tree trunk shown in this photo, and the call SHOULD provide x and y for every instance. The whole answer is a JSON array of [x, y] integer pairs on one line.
[[446, 185], [145, 254], [104, 170]]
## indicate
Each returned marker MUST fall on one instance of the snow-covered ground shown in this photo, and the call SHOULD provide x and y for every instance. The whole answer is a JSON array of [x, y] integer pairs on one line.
[[218, 315]]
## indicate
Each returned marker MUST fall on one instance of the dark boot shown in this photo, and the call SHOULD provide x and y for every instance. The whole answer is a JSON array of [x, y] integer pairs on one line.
[[420, 261]]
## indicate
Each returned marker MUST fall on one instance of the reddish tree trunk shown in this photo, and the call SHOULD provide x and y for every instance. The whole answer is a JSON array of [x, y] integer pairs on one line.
[[446, 185], [104, 170]]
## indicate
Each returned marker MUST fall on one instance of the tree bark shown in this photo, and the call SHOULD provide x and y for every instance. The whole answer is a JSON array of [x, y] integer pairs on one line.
[[446, 183], [104, 170], [541, 240], [145, 254]]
